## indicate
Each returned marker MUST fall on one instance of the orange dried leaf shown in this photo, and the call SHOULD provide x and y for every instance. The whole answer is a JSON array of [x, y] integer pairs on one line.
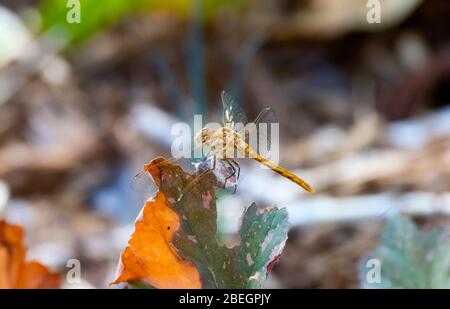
[[150, 257], [15, 272], [175, 243]]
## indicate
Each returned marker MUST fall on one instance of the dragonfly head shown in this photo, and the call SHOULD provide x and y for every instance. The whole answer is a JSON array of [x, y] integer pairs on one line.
[[203, 137]]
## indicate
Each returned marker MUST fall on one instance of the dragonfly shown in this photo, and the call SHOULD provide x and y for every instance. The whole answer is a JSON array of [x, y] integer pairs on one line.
[[227, 137], [221, 144]]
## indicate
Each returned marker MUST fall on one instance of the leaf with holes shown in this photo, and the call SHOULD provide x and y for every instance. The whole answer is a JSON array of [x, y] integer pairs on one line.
[[175, 240]]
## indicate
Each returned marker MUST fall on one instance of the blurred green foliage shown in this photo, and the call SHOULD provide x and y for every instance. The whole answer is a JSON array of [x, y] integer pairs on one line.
[[97, 15], [410, 258]]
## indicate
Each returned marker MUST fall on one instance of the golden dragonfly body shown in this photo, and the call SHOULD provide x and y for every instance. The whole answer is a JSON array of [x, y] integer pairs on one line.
[[218, 143]]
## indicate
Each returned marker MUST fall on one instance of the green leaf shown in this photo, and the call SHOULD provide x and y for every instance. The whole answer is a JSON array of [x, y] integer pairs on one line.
[[263, 232], [97, 15], [409, 258], [140, 285]]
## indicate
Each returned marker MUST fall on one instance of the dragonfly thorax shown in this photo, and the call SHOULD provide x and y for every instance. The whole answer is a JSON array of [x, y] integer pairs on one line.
[[217, 141]]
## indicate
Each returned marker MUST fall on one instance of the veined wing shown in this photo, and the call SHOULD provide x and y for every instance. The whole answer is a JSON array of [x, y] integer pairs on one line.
[[141, 181], [232, 113], [166, 160], [225, 174], [258, 133]]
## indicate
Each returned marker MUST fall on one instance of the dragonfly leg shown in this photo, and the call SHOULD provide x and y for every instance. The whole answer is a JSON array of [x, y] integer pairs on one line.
[[237, 167], [231, 175], [238, 173], [233, 165]]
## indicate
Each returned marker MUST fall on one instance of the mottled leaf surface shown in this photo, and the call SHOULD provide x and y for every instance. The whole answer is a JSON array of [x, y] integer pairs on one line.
[[263, 233], [409, 258]]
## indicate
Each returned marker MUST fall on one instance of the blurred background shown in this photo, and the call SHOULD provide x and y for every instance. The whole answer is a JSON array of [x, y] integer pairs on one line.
[[363, 110]]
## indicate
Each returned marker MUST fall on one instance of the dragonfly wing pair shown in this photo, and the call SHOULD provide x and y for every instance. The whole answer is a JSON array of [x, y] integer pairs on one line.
[[232, 115]]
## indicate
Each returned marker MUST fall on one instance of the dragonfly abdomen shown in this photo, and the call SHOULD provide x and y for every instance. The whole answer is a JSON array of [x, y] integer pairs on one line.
[[276, 168]]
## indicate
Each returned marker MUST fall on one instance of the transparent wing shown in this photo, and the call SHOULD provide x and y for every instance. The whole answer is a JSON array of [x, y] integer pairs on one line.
[[225, 174], [232, 113], [141, 182], [258, 133]]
